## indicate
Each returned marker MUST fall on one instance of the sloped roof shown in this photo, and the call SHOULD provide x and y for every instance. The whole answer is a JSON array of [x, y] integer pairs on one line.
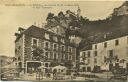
[[37, 32]]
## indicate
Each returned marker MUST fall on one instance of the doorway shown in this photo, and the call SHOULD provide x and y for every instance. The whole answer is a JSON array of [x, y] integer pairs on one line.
[[32, 67]]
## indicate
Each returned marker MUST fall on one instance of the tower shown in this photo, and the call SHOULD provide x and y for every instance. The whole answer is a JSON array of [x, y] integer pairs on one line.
[[78, 12]]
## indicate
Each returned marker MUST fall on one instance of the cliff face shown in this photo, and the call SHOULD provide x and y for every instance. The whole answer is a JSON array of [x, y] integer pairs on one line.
[[112, 27], [93, 31], [122, 10]]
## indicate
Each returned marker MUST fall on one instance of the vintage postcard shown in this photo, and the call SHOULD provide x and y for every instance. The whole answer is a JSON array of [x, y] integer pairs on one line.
[[64, 41]]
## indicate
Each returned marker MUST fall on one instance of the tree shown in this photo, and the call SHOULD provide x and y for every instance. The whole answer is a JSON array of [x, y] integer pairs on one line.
[[61, 15], [50, 16], [37, 53]]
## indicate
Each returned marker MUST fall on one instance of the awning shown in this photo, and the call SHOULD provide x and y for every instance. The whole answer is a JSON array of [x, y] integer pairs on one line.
[[59, 67], [105, 67]]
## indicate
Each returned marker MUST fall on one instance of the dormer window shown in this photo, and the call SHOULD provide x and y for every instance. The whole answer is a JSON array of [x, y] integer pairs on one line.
[[47, 36]]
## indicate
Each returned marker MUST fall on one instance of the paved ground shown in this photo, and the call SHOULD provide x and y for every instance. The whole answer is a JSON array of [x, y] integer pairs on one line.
[[103, 78]]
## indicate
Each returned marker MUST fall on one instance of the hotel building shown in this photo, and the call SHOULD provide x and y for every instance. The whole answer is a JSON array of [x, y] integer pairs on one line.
[[104, 54], [35, 47]]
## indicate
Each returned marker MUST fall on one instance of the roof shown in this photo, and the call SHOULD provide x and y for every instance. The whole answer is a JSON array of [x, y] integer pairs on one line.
[[37, 32], [86, 48], [109, 37], [99, 38]]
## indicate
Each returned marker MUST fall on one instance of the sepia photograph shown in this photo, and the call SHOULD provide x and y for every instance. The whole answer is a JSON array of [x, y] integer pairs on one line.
[[69, 41]]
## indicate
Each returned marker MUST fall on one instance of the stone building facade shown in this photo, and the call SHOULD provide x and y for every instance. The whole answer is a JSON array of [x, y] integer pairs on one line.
[[35, 47], [105, 54]]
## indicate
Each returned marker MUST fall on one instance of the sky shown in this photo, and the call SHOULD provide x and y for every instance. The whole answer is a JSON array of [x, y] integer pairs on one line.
[[21, 13]]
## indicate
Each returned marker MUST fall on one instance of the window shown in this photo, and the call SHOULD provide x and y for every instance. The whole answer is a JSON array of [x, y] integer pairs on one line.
[[66, 56], [95, 53], [70, 57], [46, 64], [88, 69], [19, 59], [62, 40], [84, 69], [55, 56], [95, 60], [62, 70], [63, 56], [19, 47], [116, 42], [88, 61], [55, 46], [34, 42], [46, 35], [111, 53], [88, 53], [51, 55], [70, 49], [47, 44], [105, 45], [15, 50], [46, 55], [95, 46], [116, 64], [73, 49], [62, 48], [83, 55]]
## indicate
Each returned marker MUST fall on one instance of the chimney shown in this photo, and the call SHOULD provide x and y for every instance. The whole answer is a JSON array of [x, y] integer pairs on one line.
[[21, 30], [17, 34]]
